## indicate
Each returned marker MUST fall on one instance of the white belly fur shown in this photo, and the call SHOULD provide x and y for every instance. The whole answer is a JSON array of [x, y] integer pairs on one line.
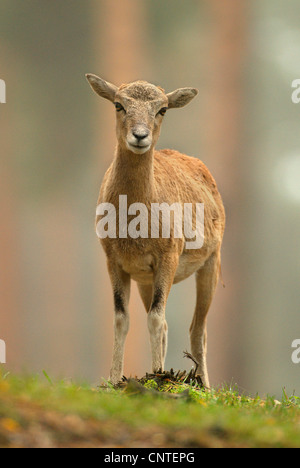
[[186, 268], [143, 273]]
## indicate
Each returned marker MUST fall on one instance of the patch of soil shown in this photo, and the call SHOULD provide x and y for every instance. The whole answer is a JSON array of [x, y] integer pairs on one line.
[[171, 377]]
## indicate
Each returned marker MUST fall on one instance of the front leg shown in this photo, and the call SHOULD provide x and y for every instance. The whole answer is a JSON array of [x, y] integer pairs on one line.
[[121, 290], [157, 325]]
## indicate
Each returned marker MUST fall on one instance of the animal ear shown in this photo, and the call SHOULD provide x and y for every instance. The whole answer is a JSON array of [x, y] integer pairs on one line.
[[101, 87], [181, 97]]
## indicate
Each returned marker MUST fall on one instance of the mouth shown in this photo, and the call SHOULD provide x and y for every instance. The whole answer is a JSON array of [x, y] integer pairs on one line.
[[138, 149]]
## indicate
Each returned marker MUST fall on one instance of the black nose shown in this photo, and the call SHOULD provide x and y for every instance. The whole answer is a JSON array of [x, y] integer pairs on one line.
[[140, 135]]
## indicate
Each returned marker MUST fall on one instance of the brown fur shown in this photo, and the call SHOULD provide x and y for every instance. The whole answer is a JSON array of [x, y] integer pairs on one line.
[[148, 176]]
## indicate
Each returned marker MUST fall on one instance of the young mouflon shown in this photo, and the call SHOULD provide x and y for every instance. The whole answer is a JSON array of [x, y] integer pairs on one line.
[[157, 177]]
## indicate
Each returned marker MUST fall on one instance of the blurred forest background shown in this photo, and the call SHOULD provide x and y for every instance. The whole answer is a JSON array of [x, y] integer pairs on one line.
[[57, 140]]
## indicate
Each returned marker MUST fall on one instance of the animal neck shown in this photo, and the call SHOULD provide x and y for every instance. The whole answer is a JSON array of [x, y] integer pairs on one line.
[[134, 174]]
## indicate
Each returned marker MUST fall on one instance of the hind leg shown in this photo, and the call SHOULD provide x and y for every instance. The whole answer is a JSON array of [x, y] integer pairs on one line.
[[146, 293], [206, 279]]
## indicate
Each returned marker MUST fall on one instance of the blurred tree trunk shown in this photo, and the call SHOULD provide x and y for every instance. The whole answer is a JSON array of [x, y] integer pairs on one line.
[[222, 143], [10, 274], [39, 276], [120, 47]]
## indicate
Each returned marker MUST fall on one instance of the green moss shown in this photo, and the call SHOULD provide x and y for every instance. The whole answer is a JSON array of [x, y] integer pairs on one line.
[[219, 418]]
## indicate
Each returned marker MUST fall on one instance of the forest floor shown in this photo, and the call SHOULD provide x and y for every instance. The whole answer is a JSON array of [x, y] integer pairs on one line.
[[160, 411]]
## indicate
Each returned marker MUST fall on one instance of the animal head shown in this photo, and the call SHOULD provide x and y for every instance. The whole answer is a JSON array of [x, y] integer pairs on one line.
[[140, 107]]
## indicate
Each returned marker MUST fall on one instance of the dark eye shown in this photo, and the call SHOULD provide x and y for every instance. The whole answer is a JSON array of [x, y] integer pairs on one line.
[[163, 111], [119, 107]]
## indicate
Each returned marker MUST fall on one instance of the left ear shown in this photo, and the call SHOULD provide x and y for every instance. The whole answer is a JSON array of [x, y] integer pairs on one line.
[[101, 87], [181, 97]]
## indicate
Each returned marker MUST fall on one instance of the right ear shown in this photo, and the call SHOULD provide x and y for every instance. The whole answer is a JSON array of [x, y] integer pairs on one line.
[[181, 97], [102, 88]]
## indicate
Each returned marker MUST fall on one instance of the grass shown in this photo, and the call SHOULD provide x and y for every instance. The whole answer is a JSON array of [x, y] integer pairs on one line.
[[36, 411]]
